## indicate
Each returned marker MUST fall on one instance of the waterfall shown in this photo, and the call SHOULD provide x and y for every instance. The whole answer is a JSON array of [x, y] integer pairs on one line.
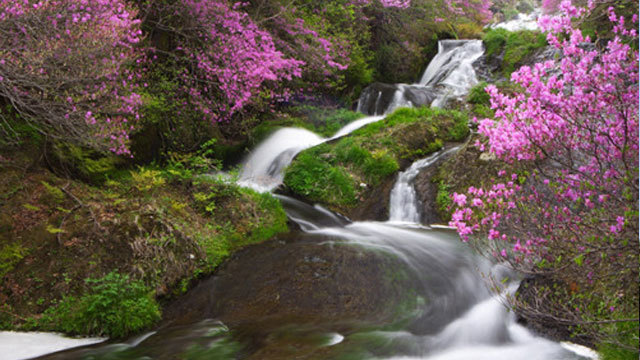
[[263, 169], [458, 317], [403, 202], [449, 75]]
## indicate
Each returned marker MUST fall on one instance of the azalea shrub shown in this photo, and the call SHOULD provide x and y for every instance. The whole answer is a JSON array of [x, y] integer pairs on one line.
[[65, 68], [570, 213]]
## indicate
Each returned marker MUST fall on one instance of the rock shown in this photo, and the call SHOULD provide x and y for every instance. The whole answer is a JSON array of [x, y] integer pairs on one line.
[[299, 280]]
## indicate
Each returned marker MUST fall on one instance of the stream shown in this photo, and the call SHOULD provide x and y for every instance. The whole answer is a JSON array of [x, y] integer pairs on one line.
[[337, 289]]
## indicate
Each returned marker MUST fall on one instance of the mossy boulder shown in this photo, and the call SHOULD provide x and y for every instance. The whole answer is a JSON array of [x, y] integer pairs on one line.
[[354, 174], [507, 50], [467, 167]]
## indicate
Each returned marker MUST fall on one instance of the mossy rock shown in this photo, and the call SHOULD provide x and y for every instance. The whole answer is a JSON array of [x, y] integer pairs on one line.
[[514, 48], [83, 163], [345, 174]]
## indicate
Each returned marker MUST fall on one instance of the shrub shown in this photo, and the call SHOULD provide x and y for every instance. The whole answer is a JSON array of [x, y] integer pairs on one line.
[[477, 94], [113, 306], [65, 68]]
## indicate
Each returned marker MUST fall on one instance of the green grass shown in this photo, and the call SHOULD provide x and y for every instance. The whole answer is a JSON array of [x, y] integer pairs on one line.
[[314, 176]]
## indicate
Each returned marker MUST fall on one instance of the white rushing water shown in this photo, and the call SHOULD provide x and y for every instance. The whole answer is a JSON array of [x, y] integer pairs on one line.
[[26, 345], [263, 169], [403, 203], [450, 74], [451, 70], [521, 22]]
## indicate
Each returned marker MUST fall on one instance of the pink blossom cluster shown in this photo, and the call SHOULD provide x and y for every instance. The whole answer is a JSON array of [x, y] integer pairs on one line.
[[403, 4], [232, 58], [64, 67], [577, 119]]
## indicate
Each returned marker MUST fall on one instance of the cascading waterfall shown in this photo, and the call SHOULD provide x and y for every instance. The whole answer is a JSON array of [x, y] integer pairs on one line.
[[449, 75], [521, 22], [263, 168]]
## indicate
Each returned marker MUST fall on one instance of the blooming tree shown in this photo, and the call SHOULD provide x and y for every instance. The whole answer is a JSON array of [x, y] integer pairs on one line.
[[573, 132], [64, 68]]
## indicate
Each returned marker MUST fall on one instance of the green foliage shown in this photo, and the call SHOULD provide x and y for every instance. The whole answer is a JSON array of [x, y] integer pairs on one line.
[[627, 334], [145, 180], [113, 306], [10, 256], [54, 193], [167, 126], [515, 46], [85, 163], [477, 95], [443, 201]]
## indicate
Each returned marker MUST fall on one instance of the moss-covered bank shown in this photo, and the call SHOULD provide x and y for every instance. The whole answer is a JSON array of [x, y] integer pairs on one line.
[[346, 173], [66, 245]]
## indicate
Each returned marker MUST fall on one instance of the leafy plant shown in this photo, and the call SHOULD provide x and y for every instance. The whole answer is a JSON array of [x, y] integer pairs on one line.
[[113, 306]]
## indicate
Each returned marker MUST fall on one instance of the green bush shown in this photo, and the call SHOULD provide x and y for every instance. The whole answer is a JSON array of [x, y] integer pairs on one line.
[[477, 94], [114, 306]]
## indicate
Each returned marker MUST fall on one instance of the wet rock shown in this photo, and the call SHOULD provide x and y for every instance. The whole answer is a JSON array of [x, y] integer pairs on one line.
[[302, 280], [375, 98]]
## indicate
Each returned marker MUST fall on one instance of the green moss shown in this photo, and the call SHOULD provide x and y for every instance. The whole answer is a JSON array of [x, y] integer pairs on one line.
[[516, 46], [627, 334], [87, 164], [239, 217], [313, 176], [443, 201]]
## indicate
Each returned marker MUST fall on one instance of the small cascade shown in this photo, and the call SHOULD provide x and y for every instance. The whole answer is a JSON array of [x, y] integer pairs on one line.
[[403, 203], [351, 127], [521, 22], [449, 75], [262, 170]]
